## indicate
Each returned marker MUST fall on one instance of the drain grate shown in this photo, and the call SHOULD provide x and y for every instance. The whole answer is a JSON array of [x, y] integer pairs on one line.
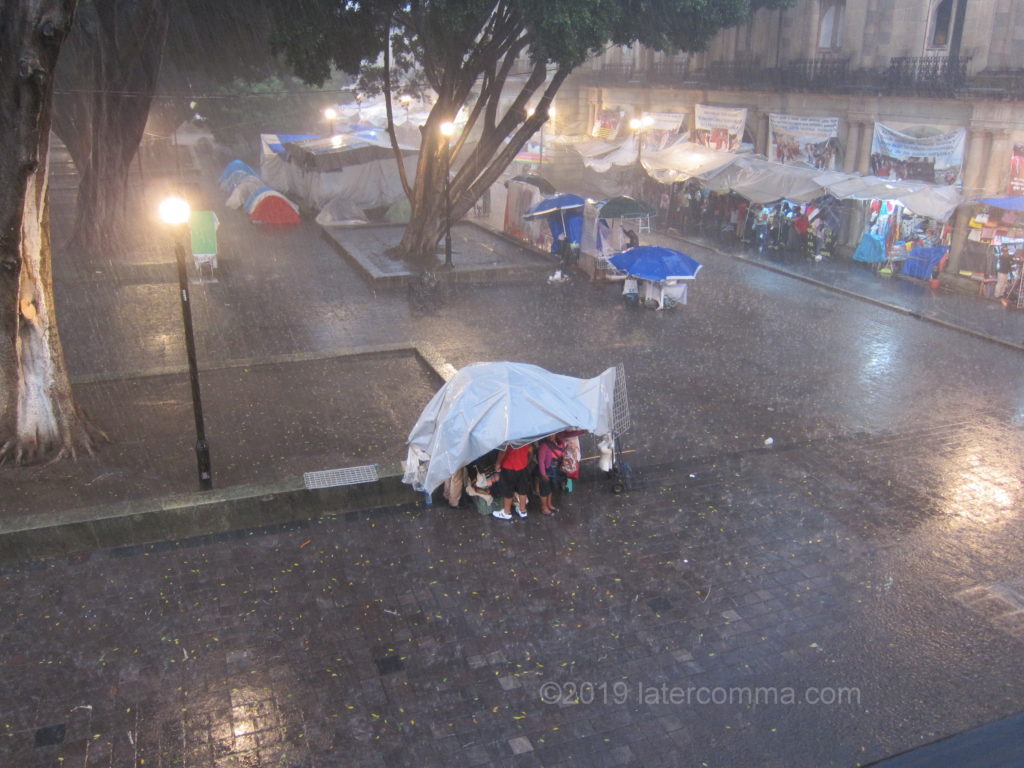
[[329, 478]]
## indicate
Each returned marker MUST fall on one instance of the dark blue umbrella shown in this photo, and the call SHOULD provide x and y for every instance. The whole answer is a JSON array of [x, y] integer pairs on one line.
[[555, 204], [651, 262]]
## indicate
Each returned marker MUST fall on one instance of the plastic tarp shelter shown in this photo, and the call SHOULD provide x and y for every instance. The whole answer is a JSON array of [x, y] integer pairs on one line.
[[274, 166], [341, 212], [342, 150], [923, 262], [485, 406], [1005, 203], [933, 201]]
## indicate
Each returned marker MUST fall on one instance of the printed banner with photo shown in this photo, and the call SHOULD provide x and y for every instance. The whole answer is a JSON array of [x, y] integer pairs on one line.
[[1016, 185], [607, 124], [664, 129], [920, 152], [720, 128], [813, 140]]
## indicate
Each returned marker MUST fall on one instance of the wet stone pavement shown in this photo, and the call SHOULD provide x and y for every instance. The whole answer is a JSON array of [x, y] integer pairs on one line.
[[850, 592]]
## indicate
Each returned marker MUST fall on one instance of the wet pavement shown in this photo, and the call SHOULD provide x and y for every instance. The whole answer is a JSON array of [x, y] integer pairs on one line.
[[851, 592]]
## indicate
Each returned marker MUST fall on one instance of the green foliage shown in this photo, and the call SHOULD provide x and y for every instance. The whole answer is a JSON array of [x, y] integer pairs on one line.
[[240, 111]]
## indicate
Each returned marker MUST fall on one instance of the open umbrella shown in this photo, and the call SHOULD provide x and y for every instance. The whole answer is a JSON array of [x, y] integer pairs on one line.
[[651, 262], [545, 186], [556, 204], [624, 207]]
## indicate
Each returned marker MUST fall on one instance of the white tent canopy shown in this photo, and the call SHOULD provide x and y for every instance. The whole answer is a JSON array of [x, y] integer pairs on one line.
[[488, 405], [762, 181]]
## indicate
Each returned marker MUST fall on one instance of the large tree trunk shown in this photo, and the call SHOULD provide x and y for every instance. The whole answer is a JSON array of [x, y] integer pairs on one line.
[[102, 106], [38, 415]]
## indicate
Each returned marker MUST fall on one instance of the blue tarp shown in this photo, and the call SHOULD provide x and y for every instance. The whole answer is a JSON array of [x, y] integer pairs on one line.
[[277, 147], [554, 205], [922, 262], [235, 165], [1006, 203], [573, 223], [871, 249]]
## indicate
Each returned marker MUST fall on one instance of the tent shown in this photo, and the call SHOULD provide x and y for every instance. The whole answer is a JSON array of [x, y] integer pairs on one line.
[[232, 167], [243, 191], [488, 405], [266, 206], [274, 166], [341, 212]]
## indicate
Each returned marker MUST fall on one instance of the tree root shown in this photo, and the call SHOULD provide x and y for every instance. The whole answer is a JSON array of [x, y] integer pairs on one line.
[[79, 438]]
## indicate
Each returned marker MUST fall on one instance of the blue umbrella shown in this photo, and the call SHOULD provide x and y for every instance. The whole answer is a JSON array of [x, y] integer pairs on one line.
[[555, 204], [651, 262]]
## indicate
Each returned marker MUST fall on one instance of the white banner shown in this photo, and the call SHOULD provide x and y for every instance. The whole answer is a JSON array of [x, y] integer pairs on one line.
[[720, 128], [920, 152], [813, 140], [663, 129]]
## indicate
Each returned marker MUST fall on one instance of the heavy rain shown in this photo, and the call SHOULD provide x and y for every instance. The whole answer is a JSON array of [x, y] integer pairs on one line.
[[287, 287]]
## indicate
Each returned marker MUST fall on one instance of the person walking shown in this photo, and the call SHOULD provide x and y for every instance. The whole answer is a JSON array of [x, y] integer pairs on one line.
[[514, 466]]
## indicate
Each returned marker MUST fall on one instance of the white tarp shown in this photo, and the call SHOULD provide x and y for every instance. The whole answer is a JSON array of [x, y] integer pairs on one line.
[[684, 161], [935, 202], [487, 405], [340, 212]]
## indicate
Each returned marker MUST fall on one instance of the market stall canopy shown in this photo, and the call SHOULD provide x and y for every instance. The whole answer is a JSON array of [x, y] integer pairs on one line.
[[1005, 203], [930, 200], [651, 262], [686, 160], [762, 181], [341, 151], [485, 406]]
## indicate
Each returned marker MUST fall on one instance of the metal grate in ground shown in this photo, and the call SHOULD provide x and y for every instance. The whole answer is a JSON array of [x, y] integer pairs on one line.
[[330, 478]]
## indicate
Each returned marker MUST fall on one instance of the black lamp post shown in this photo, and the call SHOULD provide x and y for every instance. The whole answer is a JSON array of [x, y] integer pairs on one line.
[[447, 129], [176, 212]]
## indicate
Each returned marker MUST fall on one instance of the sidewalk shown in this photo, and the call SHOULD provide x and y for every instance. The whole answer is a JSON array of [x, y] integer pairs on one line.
[[984, 318]]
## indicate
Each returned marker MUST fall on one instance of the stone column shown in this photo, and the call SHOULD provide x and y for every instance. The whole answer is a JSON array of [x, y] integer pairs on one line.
[[974, 174], [864, 155], [762, 136], [998, 167], [852, 148]]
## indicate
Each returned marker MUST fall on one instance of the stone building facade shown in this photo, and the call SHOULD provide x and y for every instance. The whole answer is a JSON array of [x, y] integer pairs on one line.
[[943, 63]]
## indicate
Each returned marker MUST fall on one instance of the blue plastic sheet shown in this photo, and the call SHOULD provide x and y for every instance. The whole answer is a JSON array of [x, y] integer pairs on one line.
[[921, 262], [871, 249]]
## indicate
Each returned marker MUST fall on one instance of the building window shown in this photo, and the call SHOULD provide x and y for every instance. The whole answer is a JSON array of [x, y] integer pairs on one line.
[[942, 23], [830, 23]]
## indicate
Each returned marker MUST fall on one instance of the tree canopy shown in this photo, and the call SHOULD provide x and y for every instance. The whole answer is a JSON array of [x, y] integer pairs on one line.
[[466, 50]]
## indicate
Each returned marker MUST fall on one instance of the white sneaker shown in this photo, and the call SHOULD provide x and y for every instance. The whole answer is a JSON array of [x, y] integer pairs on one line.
[[520, 511], [501, 514]]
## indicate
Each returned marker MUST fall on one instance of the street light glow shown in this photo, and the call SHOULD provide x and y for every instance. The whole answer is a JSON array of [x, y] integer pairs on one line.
[[405, 99], [330, 113], [447, 129], [174, 211], [635, 124]]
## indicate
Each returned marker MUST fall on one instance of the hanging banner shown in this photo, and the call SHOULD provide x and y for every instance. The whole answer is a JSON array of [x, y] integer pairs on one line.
[[813, 140], [663, 129], [607, 123], [919, 152], [1016, 185], [720, 128]]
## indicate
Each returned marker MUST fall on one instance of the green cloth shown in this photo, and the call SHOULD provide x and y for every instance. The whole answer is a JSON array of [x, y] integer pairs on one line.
[[204, 233]]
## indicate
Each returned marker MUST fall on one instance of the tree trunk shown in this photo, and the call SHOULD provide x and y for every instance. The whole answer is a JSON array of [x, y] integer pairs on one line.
[[427, 217], [102, 110], [38, 415]]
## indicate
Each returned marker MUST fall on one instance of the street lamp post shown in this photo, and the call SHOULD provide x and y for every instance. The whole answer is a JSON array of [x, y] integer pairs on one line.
[[447, 129], [331, 114], [405, 100], [175, 212]]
